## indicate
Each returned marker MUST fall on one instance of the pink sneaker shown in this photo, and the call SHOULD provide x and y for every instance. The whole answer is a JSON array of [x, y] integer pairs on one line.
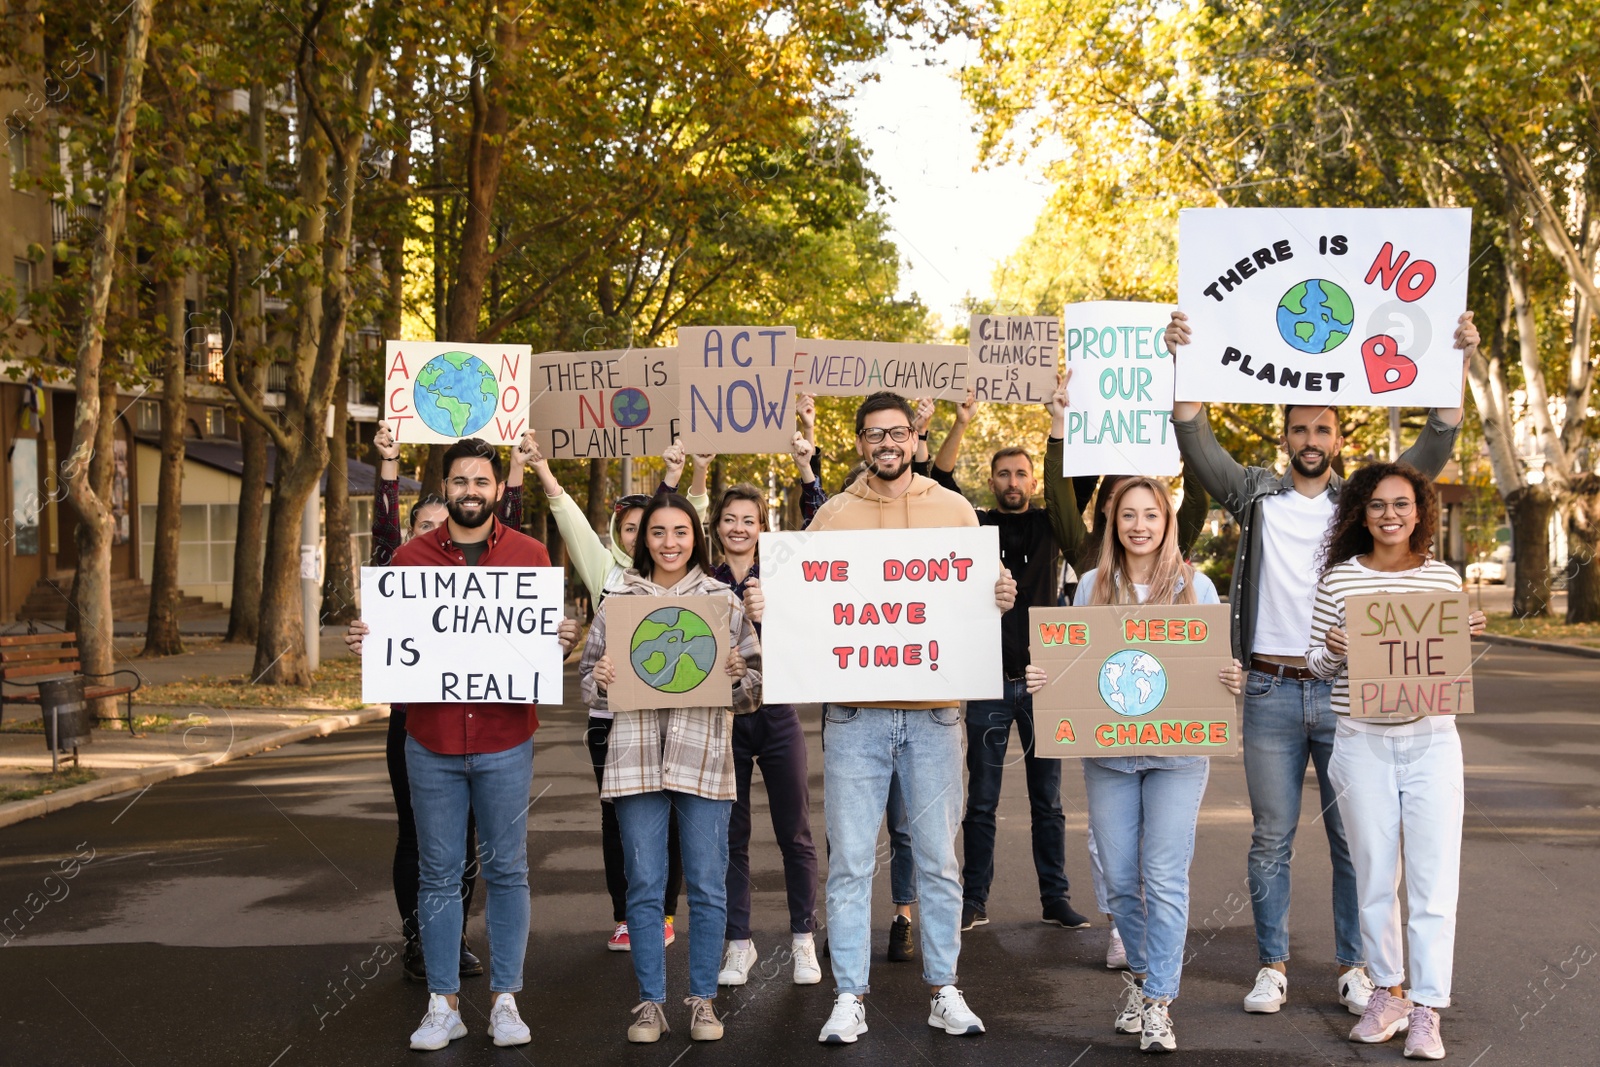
[[1385, 1016], [668, 934], [619, 939], [1423, 1041]]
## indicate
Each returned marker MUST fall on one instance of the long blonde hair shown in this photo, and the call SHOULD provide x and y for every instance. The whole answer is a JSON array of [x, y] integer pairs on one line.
[[1172, 581]]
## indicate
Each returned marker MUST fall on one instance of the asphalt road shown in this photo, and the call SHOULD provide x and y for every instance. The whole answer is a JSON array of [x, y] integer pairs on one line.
[[245, 916]]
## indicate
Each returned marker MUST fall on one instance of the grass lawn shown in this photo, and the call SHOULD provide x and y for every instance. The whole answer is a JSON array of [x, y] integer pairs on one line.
[[336, 686], [1553, 628], [39, 784]]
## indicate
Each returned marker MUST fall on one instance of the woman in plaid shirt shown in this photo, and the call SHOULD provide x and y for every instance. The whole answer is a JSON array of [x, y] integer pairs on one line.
[[674, 760]]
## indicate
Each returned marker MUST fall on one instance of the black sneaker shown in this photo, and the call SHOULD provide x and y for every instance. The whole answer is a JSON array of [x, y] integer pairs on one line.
[[902, 946], [1060, 913], [412, 963], [972, 915], [471, 965]]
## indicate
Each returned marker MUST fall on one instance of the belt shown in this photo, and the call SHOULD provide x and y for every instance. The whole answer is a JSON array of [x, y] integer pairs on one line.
[[1282, 670]]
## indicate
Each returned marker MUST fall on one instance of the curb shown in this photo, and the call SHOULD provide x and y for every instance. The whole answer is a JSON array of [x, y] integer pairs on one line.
[[1543, 646], [20, 810]]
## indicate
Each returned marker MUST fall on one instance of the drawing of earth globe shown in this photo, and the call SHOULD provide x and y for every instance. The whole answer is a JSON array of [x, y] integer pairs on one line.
[[1315, 316], [456, 394], [673, 650], [1132, 682], [629, 408]]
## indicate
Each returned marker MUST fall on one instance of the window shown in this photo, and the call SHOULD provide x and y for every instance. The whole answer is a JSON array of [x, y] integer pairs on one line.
[[207, 535], [361, 529], [25, 496], [22, 274], [216, 422], [17, 145], [147, 416]]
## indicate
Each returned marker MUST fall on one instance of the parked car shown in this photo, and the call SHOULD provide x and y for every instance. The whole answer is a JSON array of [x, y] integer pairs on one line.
[[1491, 571]]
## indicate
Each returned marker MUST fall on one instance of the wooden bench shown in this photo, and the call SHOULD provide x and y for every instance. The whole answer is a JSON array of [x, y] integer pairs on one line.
[[28, 659]]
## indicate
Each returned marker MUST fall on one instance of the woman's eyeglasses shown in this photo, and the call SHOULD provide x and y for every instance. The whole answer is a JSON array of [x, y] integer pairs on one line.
[[898, 434], [1376, 508]]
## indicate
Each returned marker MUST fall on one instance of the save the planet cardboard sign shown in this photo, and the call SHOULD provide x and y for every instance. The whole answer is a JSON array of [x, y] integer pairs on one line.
[[1119, 413], [437, 392], [668, 652], [1410, 655], [1133, 680], [861, 368], [736, 388], [615, 404], [1329, 305]]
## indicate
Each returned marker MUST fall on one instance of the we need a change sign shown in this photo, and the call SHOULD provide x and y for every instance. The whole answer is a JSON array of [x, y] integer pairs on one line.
[[461, 635]]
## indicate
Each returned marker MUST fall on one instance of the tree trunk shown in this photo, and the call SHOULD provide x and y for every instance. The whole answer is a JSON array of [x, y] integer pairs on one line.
[[595, 507], [96, 647], [1530, 509], [1583, 541], [339, 582], [161, 628]]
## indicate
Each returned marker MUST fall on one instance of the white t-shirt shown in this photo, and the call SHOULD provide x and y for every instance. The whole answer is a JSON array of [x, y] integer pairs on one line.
[[1290, 540]]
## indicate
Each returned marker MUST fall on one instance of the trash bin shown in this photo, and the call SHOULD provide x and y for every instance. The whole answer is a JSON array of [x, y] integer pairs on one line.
[[66, 714]]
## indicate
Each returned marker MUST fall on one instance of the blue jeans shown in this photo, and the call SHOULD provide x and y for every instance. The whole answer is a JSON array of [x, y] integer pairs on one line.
[[902, 865], [703, 841], [495, 786], [867, 747], [1286, 724], [1144, 824], [988, 735]]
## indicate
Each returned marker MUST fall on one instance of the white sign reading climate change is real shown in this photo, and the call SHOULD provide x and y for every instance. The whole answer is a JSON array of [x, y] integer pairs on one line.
[[1119, 411], [461, 635], [1323, 305]]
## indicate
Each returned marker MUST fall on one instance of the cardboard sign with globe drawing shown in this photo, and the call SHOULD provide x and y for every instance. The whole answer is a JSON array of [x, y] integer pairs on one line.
[[1133, 680], [437, 392], [668, 652], [615, 404], [1330, 305]]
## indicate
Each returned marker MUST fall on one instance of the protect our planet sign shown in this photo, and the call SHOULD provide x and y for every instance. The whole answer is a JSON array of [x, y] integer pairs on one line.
[[1119, 395], [1330, 305], [437, 392]]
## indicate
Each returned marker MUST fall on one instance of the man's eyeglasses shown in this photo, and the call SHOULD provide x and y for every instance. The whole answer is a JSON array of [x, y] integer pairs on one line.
[[1376, 508], [629, 502], [898, 434]]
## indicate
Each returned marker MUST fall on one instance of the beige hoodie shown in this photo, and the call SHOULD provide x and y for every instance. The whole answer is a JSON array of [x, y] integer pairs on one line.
[[924, 505]]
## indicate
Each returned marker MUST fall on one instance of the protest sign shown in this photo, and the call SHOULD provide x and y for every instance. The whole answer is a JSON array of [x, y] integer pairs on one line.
[[1329, 305], [736, 388], [870, 615], [668, 652], [462, 634], [437, 392], [615, 404], [1119, 414], [861, 368], [1013, 359], [1133, 680], [1410, 654]]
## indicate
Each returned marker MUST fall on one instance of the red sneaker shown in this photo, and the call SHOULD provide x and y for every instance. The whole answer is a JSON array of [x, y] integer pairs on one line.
[[619, 939], [670, 936]]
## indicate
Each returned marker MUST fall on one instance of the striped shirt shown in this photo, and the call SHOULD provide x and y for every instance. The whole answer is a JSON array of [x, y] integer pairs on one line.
[[1349, 579]]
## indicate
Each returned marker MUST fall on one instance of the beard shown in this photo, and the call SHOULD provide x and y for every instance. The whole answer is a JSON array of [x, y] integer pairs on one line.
[[1309, 471], [902, 468], [461, 517], [1012, 500]]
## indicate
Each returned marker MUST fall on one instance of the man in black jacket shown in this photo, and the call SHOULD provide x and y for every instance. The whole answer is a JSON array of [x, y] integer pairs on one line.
[[1032, 542]]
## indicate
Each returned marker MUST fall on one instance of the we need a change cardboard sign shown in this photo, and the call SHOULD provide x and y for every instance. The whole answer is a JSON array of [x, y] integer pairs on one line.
[[461, 635], [1133, 680], [1330, 305], [668, 652], [881, 615], [1410, 654], [614, 404], [1119, 414], [437, 392], [861, 368]]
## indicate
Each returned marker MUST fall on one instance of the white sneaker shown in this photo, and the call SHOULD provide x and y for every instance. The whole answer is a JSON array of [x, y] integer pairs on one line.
[[807, 971], [1355, 990], [1157, 1035], [440, 1026], [505, 1025], [1270, 993], [848, 1021], [1116, 954], [1130, 1017], [949, 1012], [736, 963]]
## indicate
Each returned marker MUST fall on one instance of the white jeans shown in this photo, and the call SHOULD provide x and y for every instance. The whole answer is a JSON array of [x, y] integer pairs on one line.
[[1400, 788]]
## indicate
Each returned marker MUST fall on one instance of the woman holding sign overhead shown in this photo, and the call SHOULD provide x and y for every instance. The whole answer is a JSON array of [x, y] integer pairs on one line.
[[1399, 780], [1143, 809], [673, 760]]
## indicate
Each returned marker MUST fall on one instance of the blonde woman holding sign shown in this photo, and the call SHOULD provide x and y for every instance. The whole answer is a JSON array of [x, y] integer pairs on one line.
[[659, 762], [1400, 783], [1143, 809]]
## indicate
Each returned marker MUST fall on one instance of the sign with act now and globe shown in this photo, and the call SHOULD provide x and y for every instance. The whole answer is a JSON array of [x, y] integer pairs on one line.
[[437, 392]]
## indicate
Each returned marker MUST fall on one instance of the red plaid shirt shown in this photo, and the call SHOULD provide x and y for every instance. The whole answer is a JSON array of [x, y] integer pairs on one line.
[[462, 729]]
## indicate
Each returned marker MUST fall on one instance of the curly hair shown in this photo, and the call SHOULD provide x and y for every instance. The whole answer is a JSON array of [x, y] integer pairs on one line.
[[1349, 537]]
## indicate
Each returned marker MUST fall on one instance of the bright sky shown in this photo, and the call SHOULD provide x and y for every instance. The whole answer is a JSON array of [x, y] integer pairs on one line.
[[953, 225]]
